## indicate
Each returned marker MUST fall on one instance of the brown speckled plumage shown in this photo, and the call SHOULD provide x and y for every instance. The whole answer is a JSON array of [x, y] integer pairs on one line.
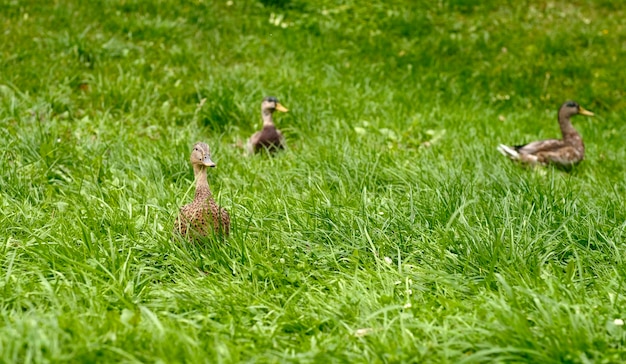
[[269, 138], [203, 216], [564, 152]]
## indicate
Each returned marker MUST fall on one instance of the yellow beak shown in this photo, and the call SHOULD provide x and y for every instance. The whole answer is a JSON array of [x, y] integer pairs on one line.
[[582, 111], [281, 108]]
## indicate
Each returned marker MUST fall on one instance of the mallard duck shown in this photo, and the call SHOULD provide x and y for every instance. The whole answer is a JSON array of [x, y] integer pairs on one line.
[[564, 152], [269, 137], [203, 215]]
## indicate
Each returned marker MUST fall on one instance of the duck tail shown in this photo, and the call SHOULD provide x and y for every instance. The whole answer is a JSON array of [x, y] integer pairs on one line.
[[508, 151]]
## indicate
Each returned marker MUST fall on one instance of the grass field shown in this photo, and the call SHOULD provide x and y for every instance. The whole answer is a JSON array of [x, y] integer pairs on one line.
[[391, 230]]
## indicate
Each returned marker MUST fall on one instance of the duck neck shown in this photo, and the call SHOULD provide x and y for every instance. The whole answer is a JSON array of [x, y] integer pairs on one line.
[[567, 130], [202, 184], [268, 120]]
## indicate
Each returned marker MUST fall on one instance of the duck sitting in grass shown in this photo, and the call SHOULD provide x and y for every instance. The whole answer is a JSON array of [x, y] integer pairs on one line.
[[269, 138], [203, 216], [562, 153]]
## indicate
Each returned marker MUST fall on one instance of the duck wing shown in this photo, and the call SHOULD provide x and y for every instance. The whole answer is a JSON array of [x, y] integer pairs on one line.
[[547, 145], [253, 142], [549, 151], [565, 156]]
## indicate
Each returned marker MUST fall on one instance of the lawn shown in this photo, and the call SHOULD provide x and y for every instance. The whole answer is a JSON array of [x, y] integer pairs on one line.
[[390, 230]]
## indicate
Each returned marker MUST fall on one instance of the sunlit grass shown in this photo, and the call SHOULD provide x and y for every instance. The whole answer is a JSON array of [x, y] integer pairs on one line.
[[391, 230]]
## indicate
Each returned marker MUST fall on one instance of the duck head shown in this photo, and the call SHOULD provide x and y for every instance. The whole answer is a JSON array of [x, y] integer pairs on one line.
[[271, 104], [571, 108], [201, 155]]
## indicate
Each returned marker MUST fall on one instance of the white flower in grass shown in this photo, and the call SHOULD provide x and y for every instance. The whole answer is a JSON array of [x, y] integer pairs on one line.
[[201, 103], [407, 305], [359, 130], [363, 332], [388, 260], [277, 20], [618, 322]]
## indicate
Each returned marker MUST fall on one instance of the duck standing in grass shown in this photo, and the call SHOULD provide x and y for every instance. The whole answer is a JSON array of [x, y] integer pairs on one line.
[[203, 215], [269, 137], [563, 153]]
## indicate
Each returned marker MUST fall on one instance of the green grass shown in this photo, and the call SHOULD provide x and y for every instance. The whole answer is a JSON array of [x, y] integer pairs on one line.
[[390, 231]]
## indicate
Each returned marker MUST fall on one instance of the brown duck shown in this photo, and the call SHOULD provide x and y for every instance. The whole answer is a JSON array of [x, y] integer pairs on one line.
[[203, 216], [564, 152], [269, 138]]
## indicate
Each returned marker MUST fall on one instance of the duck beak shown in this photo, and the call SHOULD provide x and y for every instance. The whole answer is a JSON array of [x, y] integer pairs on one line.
[[281, 108], [207, 162], [585, 112]]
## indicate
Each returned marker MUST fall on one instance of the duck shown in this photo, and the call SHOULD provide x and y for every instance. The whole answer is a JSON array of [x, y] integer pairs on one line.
[[563, 153], [269, 138], [203, 216]]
